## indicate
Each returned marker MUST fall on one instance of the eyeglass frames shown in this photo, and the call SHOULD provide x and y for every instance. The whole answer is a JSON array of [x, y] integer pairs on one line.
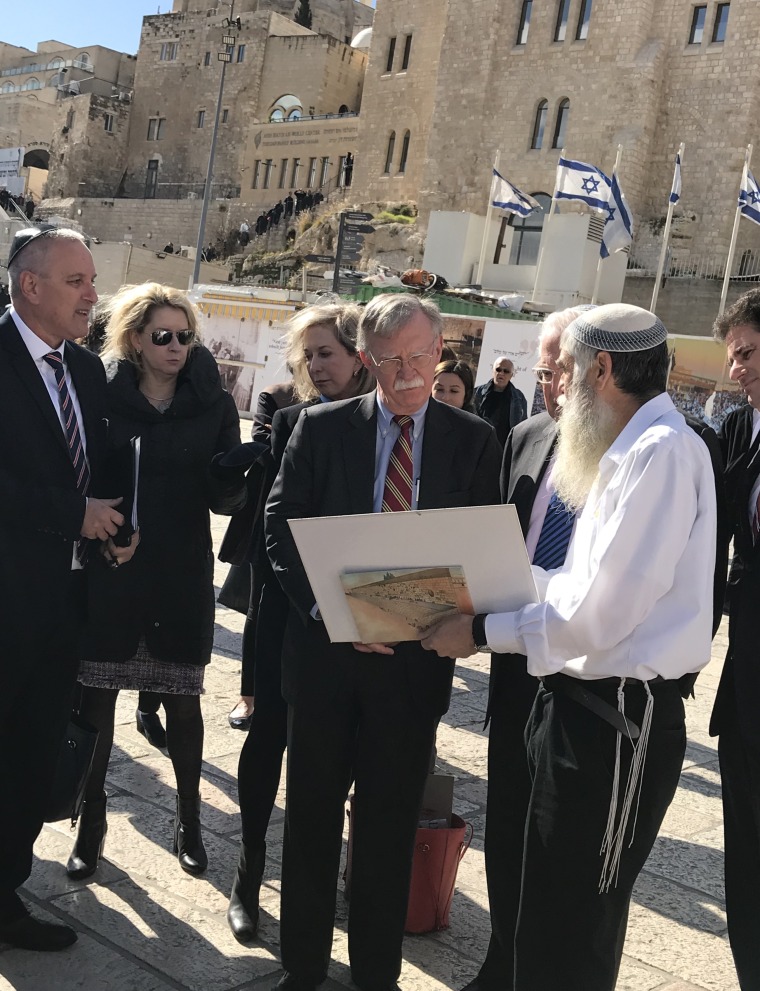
[[162, 337], [415, 361], [544, 375]]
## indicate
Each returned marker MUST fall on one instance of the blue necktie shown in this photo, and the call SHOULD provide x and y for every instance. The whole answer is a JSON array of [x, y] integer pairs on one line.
[[555, 535]]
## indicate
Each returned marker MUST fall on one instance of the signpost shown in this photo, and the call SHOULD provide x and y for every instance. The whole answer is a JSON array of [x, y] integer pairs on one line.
[[353, 225]]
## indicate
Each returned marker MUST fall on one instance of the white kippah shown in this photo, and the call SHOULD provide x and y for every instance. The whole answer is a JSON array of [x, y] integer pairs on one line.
[[618, 327]]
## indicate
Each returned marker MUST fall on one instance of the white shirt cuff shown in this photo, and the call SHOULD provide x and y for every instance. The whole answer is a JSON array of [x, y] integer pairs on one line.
[[315, 613], [501, 633]]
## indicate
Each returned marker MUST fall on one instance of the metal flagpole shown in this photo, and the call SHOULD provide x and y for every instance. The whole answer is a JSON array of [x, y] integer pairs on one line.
[[599, 263], [665, 235], [734, 232], [545, 229], [487, 228]]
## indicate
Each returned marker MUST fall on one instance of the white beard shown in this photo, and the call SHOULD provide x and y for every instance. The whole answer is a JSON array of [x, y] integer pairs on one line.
[[586, 430]]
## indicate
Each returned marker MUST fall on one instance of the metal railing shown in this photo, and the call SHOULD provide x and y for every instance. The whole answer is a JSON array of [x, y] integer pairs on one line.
[[746, 266]]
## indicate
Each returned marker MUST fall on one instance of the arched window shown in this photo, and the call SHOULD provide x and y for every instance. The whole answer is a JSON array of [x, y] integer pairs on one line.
[[277, 114], [527, 232], [389, 152], [295, 114], [286, 107], [344, 109], [560, 128], [8, 88], [404, 153], [539, 125], [32, 83], [83, 60], [57, 80], [55, 63]]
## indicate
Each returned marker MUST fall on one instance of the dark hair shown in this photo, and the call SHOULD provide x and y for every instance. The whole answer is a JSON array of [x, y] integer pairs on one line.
[[746, 310], [463, 371], [643, 374]]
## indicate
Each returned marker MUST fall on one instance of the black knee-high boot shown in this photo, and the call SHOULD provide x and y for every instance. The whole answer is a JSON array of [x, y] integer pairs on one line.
[[243, 910], [91, 836]]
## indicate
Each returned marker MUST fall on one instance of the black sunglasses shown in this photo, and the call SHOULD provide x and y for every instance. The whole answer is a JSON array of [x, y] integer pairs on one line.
[[162, 337]]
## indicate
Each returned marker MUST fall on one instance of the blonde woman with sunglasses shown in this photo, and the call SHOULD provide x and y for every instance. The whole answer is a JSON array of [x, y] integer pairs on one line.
[[150, 620]]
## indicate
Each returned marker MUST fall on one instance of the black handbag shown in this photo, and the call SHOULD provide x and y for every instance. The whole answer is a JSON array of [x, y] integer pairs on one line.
[[72, 771], [236, 591]]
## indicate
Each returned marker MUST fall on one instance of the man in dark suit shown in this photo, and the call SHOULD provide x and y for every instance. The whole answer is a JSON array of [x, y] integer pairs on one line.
[[734, 717], [365, 712], [52, 436]]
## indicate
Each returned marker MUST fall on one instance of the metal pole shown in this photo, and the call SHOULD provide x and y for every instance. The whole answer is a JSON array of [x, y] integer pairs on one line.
[[560, 173], [598, 279], [734, 233], [209, 170], [487, 228], [665, 239]]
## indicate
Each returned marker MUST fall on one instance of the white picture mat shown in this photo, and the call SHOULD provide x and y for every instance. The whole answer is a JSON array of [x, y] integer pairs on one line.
[[484, 540]]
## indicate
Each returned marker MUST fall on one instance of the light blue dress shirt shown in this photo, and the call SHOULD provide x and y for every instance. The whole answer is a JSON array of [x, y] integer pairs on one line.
[[387, 434]]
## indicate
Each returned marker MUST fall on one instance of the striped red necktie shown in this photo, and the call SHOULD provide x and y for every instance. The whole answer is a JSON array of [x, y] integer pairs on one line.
[[397, 494], [73, 434]]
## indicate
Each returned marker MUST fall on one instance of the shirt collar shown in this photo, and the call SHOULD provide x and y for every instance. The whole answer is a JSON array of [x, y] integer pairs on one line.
[[385, 417], [641, 420], [35, 345]]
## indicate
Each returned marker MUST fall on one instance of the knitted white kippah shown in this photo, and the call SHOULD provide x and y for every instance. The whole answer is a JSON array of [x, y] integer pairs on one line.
[[618, 327]]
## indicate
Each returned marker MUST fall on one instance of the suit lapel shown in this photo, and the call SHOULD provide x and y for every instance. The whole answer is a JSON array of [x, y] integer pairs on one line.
[[437, 455], [359, 443], [94, 427], [24, 366]]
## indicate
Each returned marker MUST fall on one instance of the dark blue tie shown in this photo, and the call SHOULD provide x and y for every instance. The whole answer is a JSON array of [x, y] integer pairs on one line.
[[555, 535]]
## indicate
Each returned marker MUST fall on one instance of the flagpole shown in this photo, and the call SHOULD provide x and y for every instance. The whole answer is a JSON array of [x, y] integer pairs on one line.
[[558, 176], [599, 263], [734, 232], [666, 234], [487, 228]]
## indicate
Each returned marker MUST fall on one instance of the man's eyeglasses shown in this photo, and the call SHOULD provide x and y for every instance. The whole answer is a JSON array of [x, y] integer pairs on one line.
[[415, 361], [503, 371], [162, 337], [544, 375]]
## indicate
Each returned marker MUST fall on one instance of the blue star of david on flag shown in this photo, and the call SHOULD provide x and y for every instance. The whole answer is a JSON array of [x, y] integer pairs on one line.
[[580, 181], [618, 228], [505, 196], [749, 198]]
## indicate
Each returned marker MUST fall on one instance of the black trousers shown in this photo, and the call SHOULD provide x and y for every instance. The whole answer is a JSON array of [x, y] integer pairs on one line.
[[370, 731], [260, 763], [568, 935], [509, 787], [36, 693], [740, 777]]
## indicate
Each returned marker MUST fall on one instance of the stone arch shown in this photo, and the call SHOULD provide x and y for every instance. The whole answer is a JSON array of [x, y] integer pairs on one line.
[[37, 158]]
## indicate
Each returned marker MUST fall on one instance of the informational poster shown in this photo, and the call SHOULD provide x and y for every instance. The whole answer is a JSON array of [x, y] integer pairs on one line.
[[11, 161], [516, 340], [699, 382]]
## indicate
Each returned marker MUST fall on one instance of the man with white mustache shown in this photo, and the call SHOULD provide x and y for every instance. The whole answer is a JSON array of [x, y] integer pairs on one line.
[[365, 712], [621, 628]]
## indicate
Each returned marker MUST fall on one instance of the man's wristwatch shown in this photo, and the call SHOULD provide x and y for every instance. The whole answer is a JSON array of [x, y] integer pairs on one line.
[[479, 632]]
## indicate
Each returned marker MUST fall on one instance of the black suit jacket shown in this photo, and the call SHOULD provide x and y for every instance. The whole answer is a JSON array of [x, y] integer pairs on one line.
[[328, 469], [42, 510], [740, 681]]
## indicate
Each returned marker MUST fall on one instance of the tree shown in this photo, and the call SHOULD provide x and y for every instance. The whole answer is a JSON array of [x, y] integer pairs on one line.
[[303, 14]]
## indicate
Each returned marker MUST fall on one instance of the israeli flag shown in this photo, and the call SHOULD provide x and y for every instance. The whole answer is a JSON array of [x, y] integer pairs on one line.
[[749, 199], [675, 192], [618, 228], [507, 197], [579, 181]]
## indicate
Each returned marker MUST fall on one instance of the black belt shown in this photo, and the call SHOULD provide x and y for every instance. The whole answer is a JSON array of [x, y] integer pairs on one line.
[[577, 691]]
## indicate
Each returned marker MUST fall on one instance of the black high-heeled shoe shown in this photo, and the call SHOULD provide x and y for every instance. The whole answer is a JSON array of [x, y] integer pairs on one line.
[[149, 725], [91, 837]]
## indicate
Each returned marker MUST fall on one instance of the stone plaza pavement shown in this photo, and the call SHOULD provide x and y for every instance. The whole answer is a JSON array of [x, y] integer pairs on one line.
[[145, 925]]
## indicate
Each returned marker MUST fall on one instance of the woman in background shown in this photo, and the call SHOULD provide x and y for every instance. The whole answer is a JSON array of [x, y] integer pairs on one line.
[[151, 621], [454, 384]]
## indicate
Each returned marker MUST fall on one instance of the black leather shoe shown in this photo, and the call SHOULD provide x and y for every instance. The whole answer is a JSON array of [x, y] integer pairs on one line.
[[188, 841], [91, 837], [149, 724], [28, 933], [289, 982], [243, 910], [239, 722]]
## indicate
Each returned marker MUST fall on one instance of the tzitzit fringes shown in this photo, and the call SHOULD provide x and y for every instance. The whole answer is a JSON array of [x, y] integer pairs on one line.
[[614, 839]]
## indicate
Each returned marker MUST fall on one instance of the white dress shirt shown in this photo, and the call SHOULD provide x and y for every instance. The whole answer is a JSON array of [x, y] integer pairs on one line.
[[635, 596], [37, 348], [752, 506]]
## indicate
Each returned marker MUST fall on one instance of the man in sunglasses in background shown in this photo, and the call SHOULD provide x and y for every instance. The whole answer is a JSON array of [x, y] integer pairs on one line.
[[499, 401], [52, 439], [365, 712]]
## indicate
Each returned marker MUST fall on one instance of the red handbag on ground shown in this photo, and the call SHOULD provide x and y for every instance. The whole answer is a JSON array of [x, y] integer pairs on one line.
[[437, 855]]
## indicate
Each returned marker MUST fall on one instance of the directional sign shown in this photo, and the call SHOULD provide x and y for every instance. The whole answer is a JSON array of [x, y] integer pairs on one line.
[[357, 216], [352, 239], [359, 229], [321, 259]]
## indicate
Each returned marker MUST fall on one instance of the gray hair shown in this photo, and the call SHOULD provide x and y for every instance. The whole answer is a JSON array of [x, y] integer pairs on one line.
[[555, 323], [389, 312], [32, 256]]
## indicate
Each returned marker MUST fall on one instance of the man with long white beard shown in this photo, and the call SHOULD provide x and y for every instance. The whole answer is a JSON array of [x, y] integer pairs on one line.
[[624, 621]]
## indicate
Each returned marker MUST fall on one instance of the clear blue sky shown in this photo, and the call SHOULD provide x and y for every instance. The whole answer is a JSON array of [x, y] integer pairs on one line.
[[113, 24]]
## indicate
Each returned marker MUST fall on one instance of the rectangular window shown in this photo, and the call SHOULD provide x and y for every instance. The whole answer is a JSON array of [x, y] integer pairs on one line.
[[522, 31], [295, 174], [283, 173], [404, 154], [267, 172], [698, 24], [156, 128], [108, 123], [201, 118], [241, 53], [407, 53], [721, 23], [391, 53], [325, 169], [583, 18], [256, 174], [169, 51], [312, 173], [225, 115], [207, 59], [560, 29], [151, 179]]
